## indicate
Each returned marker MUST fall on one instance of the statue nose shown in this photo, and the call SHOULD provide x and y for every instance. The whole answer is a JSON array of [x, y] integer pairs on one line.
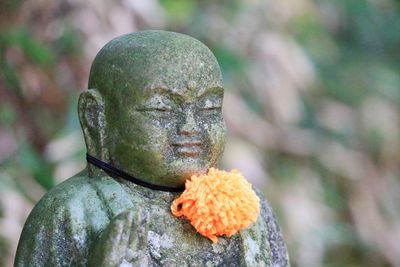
[[189, 126]]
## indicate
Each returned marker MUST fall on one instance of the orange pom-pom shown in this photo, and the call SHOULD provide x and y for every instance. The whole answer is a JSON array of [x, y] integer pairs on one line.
[[218, 203]]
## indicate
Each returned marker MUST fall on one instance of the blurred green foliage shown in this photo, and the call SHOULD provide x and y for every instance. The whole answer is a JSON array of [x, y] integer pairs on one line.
[[334, 149]]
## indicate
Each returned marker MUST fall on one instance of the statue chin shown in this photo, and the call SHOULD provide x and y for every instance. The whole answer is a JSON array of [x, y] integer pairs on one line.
[[181, 170]]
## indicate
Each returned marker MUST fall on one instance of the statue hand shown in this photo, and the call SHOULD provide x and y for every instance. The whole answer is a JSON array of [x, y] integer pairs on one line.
[[122, 242]]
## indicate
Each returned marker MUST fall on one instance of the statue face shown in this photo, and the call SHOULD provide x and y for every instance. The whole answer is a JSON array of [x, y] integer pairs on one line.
[[164, 114]]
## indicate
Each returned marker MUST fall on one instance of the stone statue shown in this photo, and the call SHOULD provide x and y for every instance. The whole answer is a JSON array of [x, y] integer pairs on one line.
[[153, 111]]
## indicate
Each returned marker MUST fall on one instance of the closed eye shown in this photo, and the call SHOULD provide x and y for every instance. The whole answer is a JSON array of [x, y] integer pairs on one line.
[[212, 108], [210, 102], [160, 109]]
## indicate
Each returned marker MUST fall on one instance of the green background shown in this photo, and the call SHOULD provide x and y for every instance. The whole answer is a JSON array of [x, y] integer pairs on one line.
[[312, 107]]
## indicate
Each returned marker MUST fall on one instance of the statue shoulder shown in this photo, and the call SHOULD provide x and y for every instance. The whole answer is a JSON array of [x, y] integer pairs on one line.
[[279, 253], [62, 224], [266, 209], [74, 190], [81, 200]]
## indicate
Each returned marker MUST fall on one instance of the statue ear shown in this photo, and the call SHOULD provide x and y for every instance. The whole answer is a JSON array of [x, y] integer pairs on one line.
[[91, 109]]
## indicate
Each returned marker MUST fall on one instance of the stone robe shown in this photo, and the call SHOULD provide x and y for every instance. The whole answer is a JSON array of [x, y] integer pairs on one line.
[[66, 224]]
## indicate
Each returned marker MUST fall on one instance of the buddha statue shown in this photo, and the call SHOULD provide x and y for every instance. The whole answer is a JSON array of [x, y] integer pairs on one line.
[[151, 118]]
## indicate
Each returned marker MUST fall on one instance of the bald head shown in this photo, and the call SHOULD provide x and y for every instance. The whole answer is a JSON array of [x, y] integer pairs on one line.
[[154, 59], [154, 106]]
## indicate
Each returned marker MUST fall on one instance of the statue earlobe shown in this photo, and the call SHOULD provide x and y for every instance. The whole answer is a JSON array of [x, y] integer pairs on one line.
[[91, 110]]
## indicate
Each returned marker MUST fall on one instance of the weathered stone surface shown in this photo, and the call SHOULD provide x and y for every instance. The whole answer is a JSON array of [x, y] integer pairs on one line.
[[65, 228], [151, 91], [154, 111]]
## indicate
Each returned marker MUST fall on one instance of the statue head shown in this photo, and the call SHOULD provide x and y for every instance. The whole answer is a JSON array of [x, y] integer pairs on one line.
[[153, 108]]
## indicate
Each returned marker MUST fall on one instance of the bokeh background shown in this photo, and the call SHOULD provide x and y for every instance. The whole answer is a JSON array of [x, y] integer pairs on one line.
[[312, 106]]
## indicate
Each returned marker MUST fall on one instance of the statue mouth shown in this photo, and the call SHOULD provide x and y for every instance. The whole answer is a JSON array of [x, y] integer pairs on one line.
[[188, 148]]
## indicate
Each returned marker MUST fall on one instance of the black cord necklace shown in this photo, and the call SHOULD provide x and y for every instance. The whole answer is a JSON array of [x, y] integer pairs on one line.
[[120, 173]]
